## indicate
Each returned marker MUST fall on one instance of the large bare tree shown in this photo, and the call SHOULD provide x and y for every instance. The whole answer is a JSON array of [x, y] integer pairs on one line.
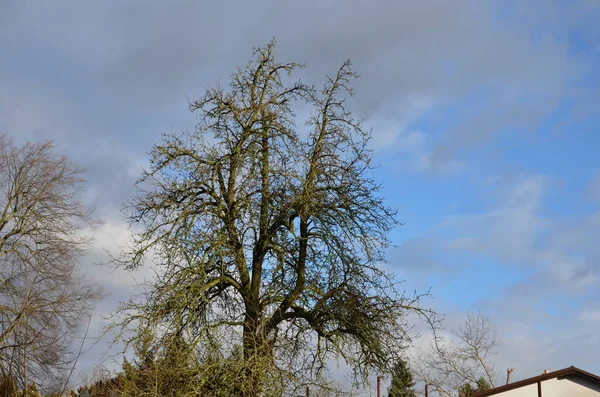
[[43, 298], [268, 233]]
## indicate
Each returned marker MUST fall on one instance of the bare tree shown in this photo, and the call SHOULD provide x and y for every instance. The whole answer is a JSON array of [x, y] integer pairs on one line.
[[270, 236], [43, 297], [464, 358]]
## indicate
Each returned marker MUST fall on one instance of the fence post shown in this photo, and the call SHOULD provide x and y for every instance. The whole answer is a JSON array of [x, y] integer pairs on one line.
[[379, 386]]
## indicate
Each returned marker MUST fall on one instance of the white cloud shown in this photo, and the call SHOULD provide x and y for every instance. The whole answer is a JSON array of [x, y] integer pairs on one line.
[[412, 141], [509, 229], [426, 163], [590, 316], [412, 152], [109, 238]]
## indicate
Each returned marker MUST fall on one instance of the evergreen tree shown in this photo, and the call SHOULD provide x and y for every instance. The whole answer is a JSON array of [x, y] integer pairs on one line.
[[402, 381], [466, 390], [483, 385]]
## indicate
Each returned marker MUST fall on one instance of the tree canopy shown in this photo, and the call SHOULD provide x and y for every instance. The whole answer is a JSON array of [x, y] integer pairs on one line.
[[44, 299], [268, 232]]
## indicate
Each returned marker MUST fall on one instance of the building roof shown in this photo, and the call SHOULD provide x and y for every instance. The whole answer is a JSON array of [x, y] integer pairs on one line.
[[529, 381]]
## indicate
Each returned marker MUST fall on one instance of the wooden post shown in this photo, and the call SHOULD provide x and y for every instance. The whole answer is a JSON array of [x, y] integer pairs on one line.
[[307, 391], [426, 390], [379, 386]]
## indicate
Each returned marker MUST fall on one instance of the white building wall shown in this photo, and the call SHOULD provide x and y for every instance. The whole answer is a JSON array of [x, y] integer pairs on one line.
[[573, 386], [525, 391]]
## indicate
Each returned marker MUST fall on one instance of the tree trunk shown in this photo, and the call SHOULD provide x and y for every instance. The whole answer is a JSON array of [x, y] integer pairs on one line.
[[256, 354]]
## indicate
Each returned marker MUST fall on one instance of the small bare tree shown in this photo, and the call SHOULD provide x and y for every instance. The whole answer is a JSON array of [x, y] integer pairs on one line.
[[463, 358], [43, 297]]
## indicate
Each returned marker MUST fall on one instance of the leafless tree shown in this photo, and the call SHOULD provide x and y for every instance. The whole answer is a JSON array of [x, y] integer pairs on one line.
[[269, 235], [464, 357], [43, 297]]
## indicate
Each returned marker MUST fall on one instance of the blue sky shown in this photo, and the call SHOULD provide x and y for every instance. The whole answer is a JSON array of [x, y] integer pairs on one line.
[[485, 121]]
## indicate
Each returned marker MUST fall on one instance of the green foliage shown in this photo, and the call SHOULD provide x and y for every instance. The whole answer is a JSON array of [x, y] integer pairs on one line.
[[8, 386], [467, 389], [483, 384], [402, 381], [170, 371], [176, 371], [402, 384], [32, 391]]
